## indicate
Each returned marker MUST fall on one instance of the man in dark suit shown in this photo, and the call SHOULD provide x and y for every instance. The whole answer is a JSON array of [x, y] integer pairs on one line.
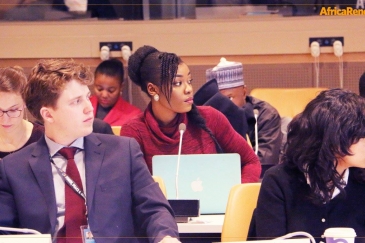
[[123, 203]]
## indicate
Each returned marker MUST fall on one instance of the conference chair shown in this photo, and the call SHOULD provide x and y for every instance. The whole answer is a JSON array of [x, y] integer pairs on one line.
[[288, 101], [242, 201], [161, 183], [248, 140], [116, 130]]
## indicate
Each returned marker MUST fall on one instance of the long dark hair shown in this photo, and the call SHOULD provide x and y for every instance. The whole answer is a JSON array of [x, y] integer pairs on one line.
[[148, 65], [321, 134]]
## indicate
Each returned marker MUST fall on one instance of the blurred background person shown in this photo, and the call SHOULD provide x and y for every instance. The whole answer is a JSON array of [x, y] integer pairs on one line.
[[107, 101], [100, 126], [229, 78], [96, 8], [15, 131], [166, 79], [321, 182], [35, 10], [362, 85]]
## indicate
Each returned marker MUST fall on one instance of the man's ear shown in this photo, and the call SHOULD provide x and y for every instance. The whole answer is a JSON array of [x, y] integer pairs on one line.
[[46, 114], [244, 91]]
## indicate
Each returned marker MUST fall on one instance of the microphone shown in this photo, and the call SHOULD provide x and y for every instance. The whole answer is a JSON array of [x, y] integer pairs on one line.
[[24, 230], [256, 114], [297, 233], [183, 208], [126, 52], [104, 53], [182, 128]]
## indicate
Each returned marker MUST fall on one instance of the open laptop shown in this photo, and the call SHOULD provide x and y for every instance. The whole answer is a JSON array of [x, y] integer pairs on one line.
[[44, 238], [207, 177]]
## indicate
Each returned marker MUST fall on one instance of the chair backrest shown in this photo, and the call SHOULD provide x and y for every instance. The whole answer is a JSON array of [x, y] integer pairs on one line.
[[288, 101], [241, 203], [161, 183], [248, 140], [116, 130]]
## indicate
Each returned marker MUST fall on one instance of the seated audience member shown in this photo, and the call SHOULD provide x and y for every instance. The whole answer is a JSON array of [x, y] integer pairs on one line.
[[229, 76], [321, 182], [15, 131], [97, 8], [123, 203], [107, 101], [100, 126], [239, 117], [166, 79], [362, 85]]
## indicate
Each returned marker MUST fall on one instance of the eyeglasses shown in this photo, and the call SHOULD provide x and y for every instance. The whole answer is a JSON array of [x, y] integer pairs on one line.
[[11, 113]]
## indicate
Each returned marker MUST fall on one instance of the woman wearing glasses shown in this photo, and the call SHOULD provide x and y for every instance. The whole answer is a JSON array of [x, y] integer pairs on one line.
[[15, 132]]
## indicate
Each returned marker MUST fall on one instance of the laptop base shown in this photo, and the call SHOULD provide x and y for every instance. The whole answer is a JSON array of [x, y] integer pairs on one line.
[[182, 219], [184, 209]]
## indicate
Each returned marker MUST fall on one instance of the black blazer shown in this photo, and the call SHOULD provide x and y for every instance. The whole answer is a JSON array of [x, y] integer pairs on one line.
[[100, 126]]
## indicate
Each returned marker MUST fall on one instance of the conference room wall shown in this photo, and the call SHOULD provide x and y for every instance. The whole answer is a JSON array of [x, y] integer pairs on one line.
[[274, 50]]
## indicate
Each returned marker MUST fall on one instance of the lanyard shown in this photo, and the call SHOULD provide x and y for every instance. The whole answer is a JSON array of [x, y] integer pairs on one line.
[[70, 182]]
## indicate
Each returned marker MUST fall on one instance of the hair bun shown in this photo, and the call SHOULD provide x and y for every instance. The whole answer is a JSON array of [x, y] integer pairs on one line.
[[135, 62]]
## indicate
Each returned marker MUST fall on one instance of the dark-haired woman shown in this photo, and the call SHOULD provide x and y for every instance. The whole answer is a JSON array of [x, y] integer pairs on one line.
[[107, 101], [167, 81], [321, 182], [15, 131]]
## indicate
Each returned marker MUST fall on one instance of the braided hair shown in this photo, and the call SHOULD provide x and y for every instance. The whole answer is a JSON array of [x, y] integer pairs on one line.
[[195, 117], [148, 65]]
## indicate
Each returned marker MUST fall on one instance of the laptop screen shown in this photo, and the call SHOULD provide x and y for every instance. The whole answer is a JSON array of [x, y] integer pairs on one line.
[[207, 177]]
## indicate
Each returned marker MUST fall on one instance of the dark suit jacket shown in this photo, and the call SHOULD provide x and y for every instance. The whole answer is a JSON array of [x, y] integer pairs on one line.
[[100, 126], [241, 118], [123, 201]]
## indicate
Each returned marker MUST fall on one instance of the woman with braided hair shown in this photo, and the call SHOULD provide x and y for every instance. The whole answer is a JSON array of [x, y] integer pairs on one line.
[[166, 79]]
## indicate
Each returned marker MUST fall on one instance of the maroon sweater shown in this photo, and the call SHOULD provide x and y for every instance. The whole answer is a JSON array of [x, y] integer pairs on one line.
[[156, 140]]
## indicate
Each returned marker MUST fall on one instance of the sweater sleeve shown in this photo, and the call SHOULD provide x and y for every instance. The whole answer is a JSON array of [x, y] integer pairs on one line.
[[132, 132], [232, 142]]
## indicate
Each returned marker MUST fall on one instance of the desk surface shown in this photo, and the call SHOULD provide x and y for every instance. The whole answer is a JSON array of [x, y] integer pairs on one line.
[[202, 224]]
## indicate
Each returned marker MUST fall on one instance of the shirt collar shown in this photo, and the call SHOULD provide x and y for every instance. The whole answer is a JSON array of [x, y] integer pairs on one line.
[[54, 147], [345, 179]]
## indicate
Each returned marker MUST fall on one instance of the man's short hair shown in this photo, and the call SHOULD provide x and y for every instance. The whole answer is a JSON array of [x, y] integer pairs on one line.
[[47, 80]]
